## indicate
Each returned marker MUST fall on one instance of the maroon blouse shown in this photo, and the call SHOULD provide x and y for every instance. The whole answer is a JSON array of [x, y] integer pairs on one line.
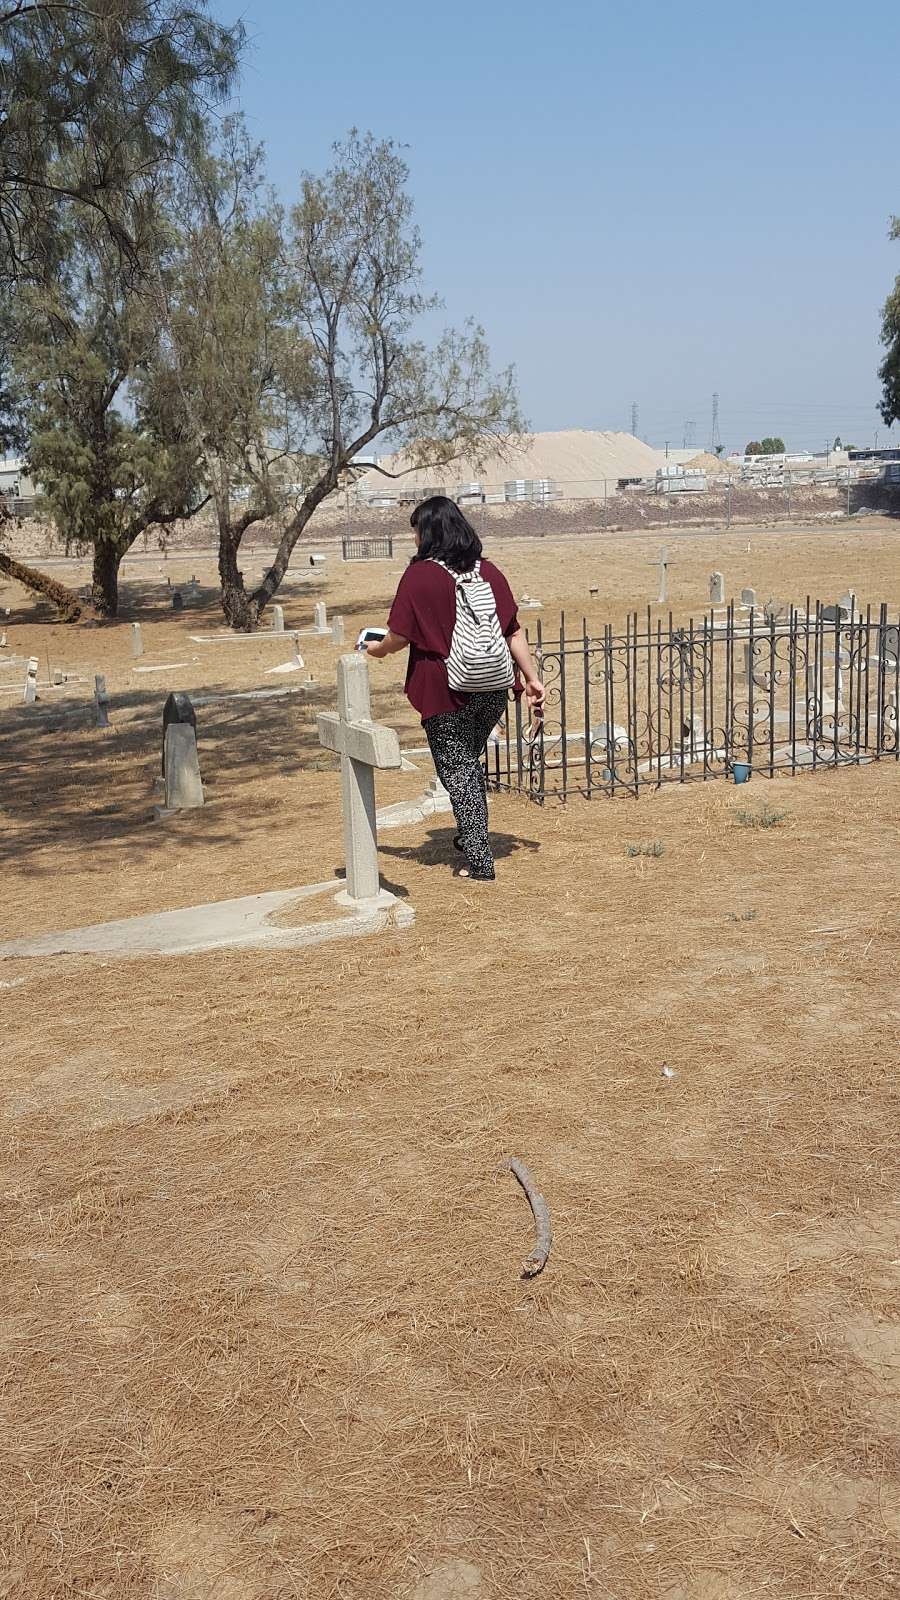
[[424, 612]]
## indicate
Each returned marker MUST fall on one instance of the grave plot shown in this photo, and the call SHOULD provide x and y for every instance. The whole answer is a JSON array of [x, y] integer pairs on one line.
[[779, 689]]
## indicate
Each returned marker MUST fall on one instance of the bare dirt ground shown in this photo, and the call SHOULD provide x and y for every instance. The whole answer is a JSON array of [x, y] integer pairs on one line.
[[264, 1334]]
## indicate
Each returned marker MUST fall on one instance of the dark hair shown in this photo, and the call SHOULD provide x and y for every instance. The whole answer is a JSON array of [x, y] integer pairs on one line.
[[445, 534]]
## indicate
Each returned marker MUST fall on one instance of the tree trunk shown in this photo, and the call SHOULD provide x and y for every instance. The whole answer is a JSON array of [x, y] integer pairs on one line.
[[236, 602], [67, 603], [105, 579], [269, 585]]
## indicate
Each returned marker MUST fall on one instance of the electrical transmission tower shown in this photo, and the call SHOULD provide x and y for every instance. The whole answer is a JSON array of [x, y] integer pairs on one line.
[[715, 438], [688, 435], [634, 418]]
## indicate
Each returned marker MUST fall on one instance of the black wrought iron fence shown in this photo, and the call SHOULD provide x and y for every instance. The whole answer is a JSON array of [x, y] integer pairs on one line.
[[374, 549], [780, 689]]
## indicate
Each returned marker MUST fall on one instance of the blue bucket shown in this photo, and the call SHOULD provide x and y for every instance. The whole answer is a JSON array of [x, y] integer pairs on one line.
[[741, 770]]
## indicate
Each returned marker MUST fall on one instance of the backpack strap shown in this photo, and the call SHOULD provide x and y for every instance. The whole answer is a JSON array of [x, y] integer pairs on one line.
[[460, 580]]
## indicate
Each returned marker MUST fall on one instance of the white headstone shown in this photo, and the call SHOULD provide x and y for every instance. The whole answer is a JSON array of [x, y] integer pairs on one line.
[[184, 786], [137, 645], [847, 602], [748, 597], [31, 672], [317, 560], [3, 640], [101, 701], [320, 617], [716, 588], [278, 619], [337, 630], [362, 745]]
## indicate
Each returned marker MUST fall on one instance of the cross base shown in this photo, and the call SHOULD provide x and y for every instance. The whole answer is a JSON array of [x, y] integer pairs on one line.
[[382, 901]]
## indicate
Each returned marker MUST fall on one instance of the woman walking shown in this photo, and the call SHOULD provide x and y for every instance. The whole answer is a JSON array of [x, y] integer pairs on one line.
[[457, 614]]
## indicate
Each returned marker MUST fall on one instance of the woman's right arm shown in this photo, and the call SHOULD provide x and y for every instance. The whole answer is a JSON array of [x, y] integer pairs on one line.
[[388, 646]]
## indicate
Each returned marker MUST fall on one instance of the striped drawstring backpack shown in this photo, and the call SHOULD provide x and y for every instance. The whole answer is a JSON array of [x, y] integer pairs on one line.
[[479, 660]]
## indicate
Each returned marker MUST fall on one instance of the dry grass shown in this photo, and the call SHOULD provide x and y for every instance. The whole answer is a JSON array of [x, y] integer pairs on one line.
[[263, 1332]]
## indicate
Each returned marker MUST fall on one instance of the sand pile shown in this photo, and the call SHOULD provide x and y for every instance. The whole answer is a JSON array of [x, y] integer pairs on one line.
[[573, 456], [713, 466]]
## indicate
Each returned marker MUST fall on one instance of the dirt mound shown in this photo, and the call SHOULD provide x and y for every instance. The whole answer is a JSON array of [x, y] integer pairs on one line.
[[713, 466]]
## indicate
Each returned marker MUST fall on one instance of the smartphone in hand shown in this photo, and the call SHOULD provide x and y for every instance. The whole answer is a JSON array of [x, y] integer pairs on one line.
[[368, 636]]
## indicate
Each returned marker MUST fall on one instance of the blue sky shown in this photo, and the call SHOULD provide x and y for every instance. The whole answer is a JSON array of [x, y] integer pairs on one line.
[[639, 202]]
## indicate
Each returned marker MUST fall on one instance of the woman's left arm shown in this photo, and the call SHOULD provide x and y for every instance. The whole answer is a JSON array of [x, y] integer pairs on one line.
[[388, 646], [521, 654]]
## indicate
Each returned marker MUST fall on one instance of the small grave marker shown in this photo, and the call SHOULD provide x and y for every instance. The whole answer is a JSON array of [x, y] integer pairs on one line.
[[180, 763], [278, 619], [363, 746], [177, 600], [137, 645], [748, 597], [317, 560], [101, 701], [31, 672], [320, 617], [337, 630], [716, 589]]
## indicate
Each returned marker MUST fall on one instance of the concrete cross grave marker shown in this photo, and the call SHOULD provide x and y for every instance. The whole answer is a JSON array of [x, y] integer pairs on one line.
[[101, 701], [180, 764], [31, 672], [363, 746], [662, 566], [716, 589]]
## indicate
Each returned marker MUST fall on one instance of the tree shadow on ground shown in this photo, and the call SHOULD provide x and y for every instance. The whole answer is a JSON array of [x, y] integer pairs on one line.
[[882, 498], [73, 791]]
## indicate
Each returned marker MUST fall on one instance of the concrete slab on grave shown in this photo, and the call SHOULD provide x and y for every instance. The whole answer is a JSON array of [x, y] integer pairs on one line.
[[434, 802], [264, 635], [221, 925]]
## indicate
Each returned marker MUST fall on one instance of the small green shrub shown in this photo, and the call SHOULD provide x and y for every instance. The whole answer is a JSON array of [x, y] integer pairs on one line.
[[765, 817], [654, 849], [745, 916]]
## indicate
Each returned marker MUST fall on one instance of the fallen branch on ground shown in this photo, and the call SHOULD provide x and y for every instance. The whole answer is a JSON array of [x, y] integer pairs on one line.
[[540, 1210]]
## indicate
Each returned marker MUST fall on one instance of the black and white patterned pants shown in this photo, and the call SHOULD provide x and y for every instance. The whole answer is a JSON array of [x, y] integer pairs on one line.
[[457, 740]]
